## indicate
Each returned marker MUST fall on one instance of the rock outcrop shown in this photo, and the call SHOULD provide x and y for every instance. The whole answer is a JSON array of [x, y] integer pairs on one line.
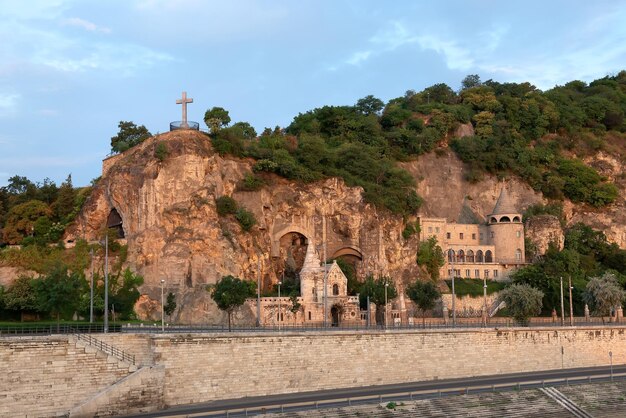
[[174, 233]]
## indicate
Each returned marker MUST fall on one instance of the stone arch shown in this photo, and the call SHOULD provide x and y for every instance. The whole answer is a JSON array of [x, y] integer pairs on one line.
[[505, 219], [469, 257], [461, 256], [348, 251], [451, 256], [335, 289], [488, 256], [479, 256], [518, 255], [114, 221], [494, 220], [517, 219]]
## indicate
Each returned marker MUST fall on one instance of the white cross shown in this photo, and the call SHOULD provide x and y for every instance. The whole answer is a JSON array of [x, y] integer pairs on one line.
[[184, 100]]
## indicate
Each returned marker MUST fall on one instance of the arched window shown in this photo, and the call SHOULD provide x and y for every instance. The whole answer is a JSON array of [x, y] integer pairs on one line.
[[479, 256], [470, 256], [461, 256], [114, 221], [518, 255], [488, 256], [451, 256], [516, 219], [494, 220], [335, 289], [505, 219]]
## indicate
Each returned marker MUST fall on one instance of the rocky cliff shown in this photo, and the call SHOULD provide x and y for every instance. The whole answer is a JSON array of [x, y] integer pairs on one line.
[[173, 231]]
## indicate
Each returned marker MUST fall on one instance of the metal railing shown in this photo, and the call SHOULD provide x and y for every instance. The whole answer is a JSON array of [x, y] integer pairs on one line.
[[51, 329], [106, 348]]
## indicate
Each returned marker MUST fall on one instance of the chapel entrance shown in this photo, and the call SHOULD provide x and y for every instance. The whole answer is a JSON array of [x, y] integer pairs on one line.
[[334, 312], [292, 251]]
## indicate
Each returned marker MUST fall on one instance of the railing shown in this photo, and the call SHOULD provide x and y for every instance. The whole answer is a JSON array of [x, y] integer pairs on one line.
[[51, 329], [106, 348]]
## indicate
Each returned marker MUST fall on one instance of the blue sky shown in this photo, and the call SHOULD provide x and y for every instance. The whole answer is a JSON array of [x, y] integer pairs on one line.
[[71, 70]]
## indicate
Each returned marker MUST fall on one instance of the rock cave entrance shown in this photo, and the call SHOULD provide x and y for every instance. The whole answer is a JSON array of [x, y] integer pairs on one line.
[[114, 221], [292, 251], [350, 260]]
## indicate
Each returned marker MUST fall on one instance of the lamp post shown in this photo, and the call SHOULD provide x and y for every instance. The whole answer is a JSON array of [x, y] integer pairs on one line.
[[258, 295], [106, 282], [485, 301], [562, 305], [452, 255], [386, 285], [279, 305], [162, 306], [571, 306], [91, 290]]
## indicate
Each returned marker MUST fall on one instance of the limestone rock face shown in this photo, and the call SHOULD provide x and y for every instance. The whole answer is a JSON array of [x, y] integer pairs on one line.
[[173, 231], [544, 229]]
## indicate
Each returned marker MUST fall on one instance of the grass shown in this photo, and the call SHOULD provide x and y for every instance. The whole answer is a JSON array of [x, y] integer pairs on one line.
[[474, 287]]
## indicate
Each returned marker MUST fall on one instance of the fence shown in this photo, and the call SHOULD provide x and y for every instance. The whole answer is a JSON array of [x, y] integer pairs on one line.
[[106, 348], [49, 329]]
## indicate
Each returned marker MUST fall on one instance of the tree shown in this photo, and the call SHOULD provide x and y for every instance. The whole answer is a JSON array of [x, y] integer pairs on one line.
[[295, 305], [58, 293], [170, 305], [128, 136], [230, 292], [124, 292], [216, 118], [21, 220], [369, 105], [375, 289], [471, 80], [603, 294], [424, 294], [523, 301], [21, 296], [66, 198], [430, 255]]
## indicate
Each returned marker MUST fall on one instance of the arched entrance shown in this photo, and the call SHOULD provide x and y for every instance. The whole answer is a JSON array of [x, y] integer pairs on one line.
[[335, 313], [114, 221], [289, 260]]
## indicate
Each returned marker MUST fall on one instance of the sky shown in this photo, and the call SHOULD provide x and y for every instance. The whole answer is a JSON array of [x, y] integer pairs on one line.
[[70, 70]]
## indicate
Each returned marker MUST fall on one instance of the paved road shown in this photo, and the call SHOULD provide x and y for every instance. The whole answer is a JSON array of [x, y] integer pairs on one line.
[[384, 390]]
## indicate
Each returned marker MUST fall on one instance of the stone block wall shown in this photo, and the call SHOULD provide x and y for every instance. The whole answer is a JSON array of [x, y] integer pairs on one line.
[[201, 368], [42, 376], [140, 345]]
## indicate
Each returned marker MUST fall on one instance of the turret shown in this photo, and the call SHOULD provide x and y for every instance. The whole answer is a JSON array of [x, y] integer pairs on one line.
[[507, 230]]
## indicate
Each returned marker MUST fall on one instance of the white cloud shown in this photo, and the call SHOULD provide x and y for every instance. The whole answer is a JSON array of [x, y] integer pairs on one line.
[[85, 24], [455, 56], [8, 104], [358, 57]]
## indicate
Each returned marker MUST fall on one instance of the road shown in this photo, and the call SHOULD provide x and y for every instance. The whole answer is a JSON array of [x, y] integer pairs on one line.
[[339, 397]]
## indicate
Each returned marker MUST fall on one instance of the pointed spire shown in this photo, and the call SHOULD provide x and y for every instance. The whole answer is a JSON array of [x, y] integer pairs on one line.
[[311, 260], [504, 205]]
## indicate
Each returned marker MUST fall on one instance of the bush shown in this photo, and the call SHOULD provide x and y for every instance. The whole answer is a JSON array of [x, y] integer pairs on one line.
[[245, 218], [160, 151], [226, 205], [250, 183]]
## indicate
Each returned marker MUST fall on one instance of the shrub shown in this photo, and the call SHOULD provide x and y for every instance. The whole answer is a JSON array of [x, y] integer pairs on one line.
[[245, 218], [250, 183], [226, 205], [160, 151]]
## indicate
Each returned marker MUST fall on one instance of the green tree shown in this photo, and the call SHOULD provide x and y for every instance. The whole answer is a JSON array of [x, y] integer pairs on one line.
[[170, 305], [522, 301], [295, 305], [216, 118], [430, 255], [425, 295], [471, 80], [603, 294], [226, 205], [65, 202], [369, 105], [375, 289], [21, 220], [128, 136], [124, 292], [21, 296], [229, 293], [160, 151], [58, 293]]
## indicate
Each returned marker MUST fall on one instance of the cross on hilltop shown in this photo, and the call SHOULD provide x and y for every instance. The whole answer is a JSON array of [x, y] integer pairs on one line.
[[184, 100]]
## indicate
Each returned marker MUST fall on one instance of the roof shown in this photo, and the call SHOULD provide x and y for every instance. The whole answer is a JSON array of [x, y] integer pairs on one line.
[[504, 205]]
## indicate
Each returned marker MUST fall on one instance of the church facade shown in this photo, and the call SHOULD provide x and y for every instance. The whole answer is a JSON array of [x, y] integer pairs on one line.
[[489, 250]]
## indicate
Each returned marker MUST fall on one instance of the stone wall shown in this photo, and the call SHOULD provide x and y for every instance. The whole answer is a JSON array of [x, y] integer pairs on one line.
[[50, 374]]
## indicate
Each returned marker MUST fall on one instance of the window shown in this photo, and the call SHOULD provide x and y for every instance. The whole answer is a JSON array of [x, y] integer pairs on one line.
[[481, 236], [309, 315], [486, 274], [449, 272], [430, 229], [519, 234], [493, 234], [469, 257], [467, 273], [437, 229], [461, 235], [451, 256], [495, 274], [457, 273], [335, 289], [313, 290], [461, 256], [447, 235], [477, 273], [479, 256], [518, 255], [488, 256], [474, 236]]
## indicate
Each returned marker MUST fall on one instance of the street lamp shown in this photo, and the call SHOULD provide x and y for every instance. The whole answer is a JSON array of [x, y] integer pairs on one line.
[[106, 282], [571, 306], [279, 307], [162, 307], [386, 286], [485, 301], [91, 290]]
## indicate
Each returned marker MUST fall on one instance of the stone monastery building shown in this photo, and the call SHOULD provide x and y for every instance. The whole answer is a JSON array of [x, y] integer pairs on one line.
[[492, 250]]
